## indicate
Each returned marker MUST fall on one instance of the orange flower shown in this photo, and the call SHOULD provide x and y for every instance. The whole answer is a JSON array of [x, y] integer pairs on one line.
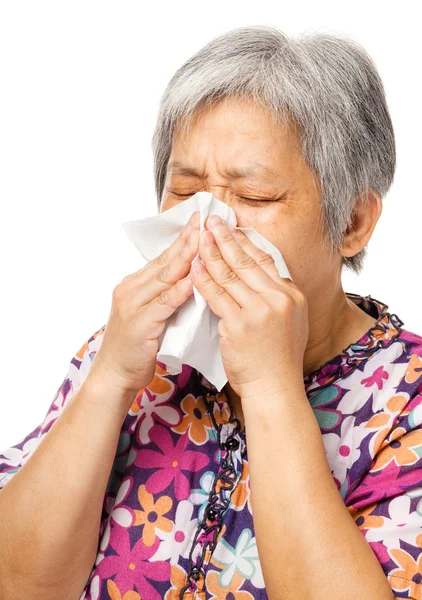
[[114, 592], [399, 447], [409, 576], [363, 518], [158, 385], [221, 409], [232, 592], [178, 581], [381, 333], [383, 421], [195, 418], [414, 369], [80, 353], [152, 515]]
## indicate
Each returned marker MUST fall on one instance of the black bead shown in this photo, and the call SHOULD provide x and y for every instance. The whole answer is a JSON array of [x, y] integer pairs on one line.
[[232, 444], [195, 574], [212, 513]]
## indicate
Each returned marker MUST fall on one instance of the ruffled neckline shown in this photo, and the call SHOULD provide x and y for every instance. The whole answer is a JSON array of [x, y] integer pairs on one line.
[[384, 331]]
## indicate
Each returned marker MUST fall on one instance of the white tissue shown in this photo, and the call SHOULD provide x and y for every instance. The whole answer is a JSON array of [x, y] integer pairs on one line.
[[191, 333]]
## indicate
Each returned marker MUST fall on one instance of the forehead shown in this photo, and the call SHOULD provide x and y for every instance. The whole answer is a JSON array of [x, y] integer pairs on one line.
[[255, 169], [242, 135]]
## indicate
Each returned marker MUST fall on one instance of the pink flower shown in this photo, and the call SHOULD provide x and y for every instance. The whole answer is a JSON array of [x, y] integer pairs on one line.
[[132, 566], [385, 484], [170, 463], [376, 378]]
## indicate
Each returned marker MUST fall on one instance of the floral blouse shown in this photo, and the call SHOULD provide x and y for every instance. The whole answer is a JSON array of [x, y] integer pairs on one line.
[[177, 518]]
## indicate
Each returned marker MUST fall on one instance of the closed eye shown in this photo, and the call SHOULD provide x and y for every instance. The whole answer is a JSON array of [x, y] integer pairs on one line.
[[242, 197]]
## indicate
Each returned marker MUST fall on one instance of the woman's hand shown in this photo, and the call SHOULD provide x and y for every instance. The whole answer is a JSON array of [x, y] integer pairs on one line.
[[264, 325], [141, 304]]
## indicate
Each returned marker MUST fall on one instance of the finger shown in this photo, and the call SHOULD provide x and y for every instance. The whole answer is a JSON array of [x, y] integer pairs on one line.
[[164, 305], [169, 274], [218, 299], [170, 266], [262, 258], [222, 274], [241, 262], [169, 255]]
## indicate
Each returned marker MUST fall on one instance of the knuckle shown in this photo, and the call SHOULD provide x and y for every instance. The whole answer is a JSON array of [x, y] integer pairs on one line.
[[228, 278], [127, 278], [163, 298], [162, 259], [219, 292], [162, 275], [118, 292], [263, 259], [166, 297], [286, 301], [244, 261]]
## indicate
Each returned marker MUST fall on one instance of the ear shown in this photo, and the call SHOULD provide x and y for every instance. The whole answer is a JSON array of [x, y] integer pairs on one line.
[[364, 218]]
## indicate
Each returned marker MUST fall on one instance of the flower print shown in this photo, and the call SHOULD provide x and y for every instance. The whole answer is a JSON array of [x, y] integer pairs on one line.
[[414, 369], [152, 515], [221, 408], [328, 418], [401, 446], [242, 559], [231, 592], [178, 581], [121, 515], [177, 541], [363, 518], [114, 593], [131, 567], [201, 495], [415, 416], [61, 399], [376, 378], [402, 524], [416, 492], [14, 457], [242, 492], [407, 577], [195, 420], [356, 395], [340, 449], [170, 462], [150, 404], [384, 421]]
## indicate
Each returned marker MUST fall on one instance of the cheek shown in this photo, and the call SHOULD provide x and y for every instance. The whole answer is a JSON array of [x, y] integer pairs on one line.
[[302, 247]]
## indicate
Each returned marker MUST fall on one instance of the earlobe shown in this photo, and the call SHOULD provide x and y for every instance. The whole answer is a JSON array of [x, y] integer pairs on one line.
[[364, 218]]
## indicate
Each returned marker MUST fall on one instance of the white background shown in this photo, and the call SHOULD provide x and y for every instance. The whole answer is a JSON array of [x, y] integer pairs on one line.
[[80, 88]]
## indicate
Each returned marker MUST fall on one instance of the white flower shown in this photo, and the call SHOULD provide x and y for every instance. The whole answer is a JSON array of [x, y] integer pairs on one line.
[[244, 559], [178, 541], [402, 525], [121, 515]]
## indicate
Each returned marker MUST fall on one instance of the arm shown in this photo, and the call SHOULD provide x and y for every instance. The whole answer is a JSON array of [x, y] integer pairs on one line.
[[309, 545], [51, 509]]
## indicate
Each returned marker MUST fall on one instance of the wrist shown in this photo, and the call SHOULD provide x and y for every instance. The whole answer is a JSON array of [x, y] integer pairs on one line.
[[282, 388], [104, 392]]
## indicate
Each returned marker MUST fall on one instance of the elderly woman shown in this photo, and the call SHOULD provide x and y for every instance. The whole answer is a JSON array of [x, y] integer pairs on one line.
[[301, 477]]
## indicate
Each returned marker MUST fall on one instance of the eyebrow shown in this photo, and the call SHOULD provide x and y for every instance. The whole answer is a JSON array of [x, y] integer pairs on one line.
[[236, 173]]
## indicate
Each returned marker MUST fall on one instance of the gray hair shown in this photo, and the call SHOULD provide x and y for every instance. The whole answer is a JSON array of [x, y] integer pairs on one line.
[[326, 85]]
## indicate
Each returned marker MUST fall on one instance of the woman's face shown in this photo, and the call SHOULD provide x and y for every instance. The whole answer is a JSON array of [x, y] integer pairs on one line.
[[280, 198]]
